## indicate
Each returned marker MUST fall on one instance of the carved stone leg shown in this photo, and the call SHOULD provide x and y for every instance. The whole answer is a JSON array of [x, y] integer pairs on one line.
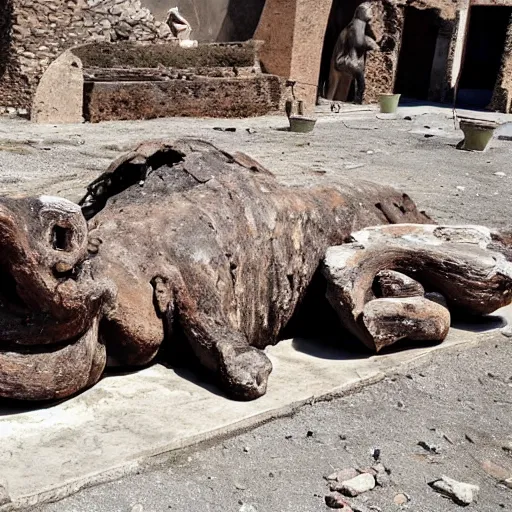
[[458, 262], [360, 87], [243, 370]]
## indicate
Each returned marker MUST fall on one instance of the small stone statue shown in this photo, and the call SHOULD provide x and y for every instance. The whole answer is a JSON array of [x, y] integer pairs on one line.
[[180, 28], [349, 56]]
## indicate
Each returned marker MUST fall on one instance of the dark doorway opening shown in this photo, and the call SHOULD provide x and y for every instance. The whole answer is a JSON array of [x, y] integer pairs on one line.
[[342, 12], [241, 20], [419, 39], [485, 43]]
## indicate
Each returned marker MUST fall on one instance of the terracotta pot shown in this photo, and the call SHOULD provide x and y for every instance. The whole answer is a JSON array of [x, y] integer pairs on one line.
[[302, 124]]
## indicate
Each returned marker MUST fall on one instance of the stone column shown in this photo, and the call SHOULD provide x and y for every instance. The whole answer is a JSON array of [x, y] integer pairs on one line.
[[456, 51], [294, 31]]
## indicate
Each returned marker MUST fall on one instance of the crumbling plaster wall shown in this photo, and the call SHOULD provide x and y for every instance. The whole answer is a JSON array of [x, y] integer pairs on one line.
[[502, 95], [34, 32]]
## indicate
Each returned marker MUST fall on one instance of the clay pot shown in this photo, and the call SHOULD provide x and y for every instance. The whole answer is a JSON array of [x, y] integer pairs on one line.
[[388, 103], [477, 134]]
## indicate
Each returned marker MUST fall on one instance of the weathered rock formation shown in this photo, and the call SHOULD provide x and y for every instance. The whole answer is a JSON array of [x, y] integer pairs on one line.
[[182, 241], [462, 264]]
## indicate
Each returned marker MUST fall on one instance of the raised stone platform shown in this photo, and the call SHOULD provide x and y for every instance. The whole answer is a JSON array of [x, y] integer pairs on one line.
[[198, 96], [126, 421]]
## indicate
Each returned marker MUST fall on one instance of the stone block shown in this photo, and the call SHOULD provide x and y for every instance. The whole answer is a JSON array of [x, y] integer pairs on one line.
[[199, 97], [59, 96]]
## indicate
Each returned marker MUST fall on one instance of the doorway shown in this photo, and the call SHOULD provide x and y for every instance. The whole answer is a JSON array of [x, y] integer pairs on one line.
[[342, 12], [419, 39], [485, 42]]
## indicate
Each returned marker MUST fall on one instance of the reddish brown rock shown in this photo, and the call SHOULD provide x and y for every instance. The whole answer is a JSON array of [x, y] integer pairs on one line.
[[461, 263]]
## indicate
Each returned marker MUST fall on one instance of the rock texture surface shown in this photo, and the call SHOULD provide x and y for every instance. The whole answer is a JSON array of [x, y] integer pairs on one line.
[[467, 265], [197, 97], [460, 492], [60, 93], [185, 243]]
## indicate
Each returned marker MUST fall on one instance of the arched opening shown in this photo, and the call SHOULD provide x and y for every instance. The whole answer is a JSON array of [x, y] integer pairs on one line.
[[419, 40]]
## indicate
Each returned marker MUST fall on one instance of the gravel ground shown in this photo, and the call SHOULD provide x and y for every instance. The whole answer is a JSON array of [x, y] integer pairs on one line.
[[461, 401]]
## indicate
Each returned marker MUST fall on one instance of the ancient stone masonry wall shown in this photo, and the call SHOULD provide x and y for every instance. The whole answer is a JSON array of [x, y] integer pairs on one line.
[[381, 66], [34, 32]]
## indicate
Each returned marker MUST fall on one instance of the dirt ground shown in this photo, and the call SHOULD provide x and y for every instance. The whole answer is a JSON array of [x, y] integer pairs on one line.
[[416, 155], [461, 401]]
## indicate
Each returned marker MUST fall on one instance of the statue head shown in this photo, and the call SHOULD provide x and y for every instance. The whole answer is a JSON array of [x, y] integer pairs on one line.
[[364, 12]]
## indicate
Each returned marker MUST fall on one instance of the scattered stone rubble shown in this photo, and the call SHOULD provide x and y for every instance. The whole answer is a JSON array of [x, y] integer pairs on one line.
[[352, 482], [460, 492]]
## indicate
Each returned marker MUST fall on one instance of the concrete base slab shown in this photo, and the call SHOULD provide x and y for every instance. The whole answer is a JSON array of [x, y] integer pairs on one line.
[[126, 420]]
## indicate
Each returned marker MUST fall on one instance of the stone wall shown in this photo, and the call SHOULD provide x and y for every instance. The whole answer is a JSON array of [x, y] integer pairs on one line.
[[34, 32], [382, 66], [300, 35]]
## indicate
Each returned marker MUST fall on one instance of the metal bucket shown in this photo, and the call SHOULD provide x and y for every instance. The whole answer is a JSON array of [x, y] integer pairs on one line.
[[301, 124]]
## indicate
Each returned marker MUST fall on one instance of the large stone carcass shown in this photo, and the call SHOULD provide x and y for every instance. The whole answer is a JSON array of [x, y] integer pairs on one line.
[[181, 239]]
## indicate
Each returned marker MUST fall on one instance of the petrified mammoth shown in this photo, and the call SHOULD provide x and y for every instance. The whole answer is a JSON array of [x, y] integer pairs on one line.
[[180, 238]]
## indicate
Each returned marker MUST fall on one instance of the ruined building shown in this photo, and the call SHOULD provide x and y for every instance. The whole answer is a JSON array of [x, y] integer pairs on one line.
[[35, 32], [429, 48]]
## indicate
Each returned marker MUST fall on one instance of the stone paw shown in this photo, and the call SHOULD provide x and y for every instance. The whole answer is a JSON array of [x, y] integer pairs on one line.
[[244, 372]]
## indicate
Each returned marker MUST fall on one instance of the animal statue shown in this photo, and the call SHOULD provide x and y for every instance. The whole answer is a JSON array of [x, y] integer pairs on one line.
[[184, 243], [349, 56], [176, 241], [180, 28]]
